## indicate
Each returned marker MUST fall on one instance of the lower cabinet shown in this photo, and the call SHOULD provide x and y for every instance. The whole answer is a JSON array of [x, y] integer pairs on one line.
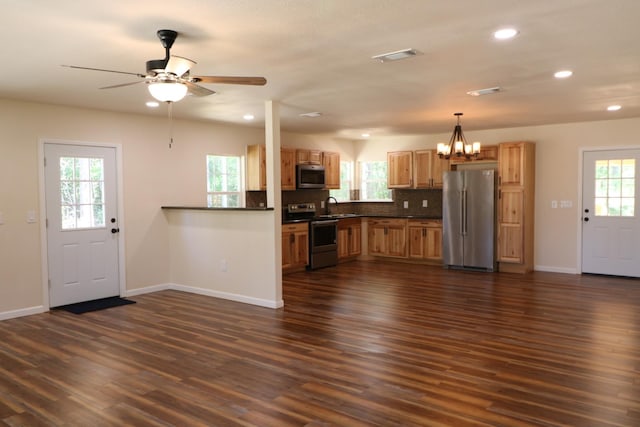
[[425, 239], [295, 246], [349, 238], [388, 237]]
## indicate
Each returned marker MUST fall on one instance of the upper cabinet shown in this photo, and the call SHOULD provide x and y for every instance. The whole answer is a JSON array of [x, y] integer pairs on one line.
[[488, 153], [308, 157], [257, 168], [331, 162], [428, 169], [400, 169]]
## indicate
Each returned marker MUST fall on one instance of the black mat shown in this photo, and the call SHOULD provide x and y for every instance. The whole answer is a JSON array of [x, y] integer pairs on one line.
[[97, 304]]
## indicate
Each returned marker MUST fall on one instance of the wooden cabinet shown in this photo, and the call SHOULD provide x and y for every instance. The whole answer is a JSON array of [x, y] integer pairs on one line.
[[257, 168], [295, 246], [428, 169], [308, 157], [425, 239], [388, 237], [331, 163], [400, 169], [349, 238], [488, 153], [516, 187]]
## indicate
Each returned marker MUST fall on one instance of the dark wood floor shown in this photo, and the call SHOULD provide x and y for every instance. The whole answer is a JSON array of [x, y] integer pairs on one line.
[[362, 344]]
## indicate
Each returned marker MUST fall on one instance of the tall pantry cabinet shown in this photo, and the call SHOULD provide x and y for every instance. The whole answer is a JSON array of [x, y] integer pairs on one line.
[[516, 188]]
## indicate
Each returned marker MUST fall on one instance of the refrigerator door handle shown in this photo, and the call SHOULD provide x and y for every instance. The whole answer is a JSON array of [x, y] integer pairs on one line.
[[463, 224]]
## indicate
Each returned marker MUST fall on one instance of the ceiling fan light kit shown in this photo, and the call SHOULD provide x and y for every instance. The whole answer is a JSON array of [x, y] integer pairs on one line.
[[458, 145], [167, 91]]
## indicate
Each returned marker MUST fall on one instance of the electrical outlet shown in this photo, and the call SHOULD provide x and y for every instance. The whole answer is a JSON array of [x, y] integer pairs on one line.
[[406, 204], [322, 204], [223, 265], [425, 203]]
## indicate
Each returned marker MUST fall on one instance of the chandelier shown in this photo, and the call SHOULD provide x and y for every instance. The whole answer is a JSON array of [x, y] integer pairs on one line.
[[458, 145]]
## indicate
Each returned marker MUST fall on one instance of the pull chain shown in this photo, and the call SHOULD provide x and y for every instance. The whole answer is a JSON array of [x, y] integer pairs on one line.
[[170, 110]]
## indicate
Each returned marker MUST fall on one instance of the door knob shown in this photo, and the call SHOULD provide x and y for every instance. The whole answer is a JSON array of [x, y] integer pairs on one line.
[[586, 219], [115, 230]]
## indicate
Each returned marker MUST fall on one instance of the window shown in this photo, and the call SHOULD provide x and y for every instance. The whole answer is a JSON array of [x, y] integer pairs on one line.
[[225, 187], [615, 187], [346, 182], [373, 181], [81, 192]]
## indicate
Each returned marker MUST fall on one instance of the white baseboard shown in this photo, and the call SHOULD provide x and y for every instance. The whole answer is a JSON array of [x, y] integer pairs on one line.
[[206, 292], [228, 296], [148, 289], [552, 269], [5, 315]]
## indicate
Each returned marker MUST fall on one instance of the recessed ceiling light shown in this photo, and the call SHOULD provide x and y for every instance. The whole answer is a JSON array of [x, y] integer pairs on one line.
[[487, 91], [366, 135], [505, 33], [153, 104], [248, 117], [613, 107], [563, 74], [312, 114], [396, 56]]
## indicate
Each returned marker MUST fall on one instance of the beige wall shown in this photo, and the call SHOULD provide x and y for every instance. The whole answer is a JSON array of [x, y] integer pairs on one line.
[[155, 175], [558, 159]]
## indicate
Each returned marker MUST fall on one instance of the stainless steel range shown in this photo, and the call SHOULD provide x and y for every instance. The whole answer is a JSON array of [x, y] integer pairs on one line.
[[323, 234]]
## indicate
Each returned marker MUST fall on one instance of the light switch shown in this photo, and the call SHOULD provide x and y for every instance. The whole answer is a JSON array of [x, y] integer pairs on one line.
[[425, 203], [554, 204]]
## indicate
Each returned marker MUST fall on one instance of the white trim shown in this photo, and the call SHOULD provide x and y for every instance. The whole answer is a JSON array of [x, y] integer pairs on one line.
[[12, 314], [552, 269], [148, 289], [43, 212]]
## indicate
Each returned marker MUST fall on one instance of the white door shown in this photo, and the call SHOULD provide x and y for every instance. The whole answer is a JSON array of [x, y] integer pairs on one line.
[[82, 226], [610, 214]]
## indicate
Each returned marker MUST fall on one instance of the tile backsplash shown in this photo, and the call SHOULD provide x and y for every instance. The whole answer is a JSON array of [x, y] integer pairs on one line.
[[413, 198]]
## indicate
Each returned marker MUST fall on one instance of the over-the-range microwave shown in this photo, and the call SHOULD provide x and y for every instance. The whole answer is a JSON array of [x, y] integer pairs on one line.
[[309, 176]]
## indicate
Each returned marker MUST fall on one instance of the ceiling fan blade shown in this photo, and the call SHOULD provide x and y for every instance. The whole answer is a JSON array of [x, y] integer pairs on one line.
[[121, 85], [102, 69], [256, 81], [196, 90], [178, 65]]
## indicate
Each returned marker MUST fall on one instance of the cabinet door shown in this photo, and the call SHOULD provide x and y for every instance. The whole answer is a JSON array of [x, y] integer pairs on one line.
[[308, 157], [510, 229], [355, 239], [288, 168], [256, 168], [422, 168], [510, 164], [417, 243], [377, 239], [438, 168], [400, 169], [301, 248], [397, 241], [331, 162], [287, 243], [433, 243], [343, 242]]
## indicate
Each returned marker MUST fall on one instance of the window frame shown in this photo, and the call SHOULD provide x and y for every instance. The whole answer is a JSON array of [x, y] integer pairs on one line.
[[383, 182]]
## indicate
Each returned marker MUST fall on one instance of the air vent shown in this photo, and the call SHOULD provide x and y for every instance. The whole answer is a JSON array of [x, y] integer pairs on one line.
[[396, 56], [487, 91], [313, 114]]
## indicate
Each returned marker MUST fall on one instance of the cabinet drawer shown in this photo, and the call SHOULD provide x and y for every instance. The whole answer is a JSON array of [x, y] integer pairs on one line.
[[297, 227], [391, 222], [425, 223]]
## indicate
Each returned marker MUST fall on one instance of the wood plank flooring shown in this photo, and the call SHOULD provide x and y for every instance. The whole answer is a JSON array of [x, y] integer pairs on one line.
[[361, 344]]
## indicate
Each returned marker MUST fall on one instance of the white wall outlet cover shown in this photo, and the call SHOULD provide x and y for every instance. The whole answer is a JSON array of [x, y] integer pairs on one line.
[[322, 204], [31, 217], [425, 203], [406, 204], [554, 204]]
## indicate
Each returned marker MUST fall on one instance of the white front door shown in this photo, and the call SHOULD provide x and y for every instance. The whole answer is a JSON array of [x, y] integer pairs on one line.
[[82, 223], [610, 214]]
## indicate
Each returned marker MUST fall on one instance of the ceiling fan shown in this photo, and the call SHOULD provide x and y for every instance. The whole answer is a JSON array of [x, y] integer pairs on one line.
[[169, 79]]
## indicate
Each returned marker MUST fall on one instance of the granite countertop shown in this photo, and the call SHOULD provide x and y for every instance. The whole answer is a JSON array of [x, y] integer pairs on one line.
[[293, 221], [205, 208]]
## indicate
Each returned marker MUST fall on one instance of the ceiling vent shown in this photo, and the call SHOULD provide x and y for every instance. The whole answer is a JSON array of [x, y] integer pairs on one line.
[[487, 91], [396, 56], [313, 114]]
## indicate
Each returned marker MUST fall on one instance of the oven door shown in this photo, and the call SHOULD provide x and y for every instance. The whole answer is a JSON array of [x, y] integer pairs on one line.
[[323, 244]]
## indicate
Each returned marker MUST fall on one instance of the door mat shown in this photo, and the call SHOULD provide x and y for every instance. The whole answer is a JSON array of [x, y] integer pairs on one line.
[[95, 305]]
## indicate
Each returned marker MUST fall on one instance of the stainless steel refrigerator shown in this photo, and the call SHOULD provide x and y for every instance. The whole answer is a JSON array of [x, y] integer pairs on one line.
[[469, 219]]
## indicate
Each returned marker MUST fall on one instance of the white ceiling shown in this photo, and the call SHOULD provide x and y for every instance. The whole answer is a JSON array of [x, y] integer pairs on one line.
[[316, 56]]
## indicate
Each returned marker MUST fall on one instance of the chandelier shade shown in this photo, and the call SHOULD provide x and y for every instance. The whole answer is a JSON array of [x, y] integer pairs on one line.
[[167, 91], [458, 145]]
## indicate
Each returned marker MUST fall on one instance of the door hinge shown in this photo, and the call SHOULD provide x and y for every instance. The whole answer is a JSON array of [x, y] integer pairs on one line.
[[46, 223], [49, 282]]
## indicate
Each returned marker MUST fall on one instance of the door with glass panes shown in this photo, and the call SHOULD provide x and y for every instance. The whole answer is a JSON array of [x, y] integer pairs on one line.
[[82, 223], [610, 222]]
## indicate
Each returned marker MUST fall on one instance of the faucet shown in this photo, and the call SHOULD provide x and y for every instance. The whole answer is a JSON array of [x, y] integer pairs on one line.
[[326, 203]]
